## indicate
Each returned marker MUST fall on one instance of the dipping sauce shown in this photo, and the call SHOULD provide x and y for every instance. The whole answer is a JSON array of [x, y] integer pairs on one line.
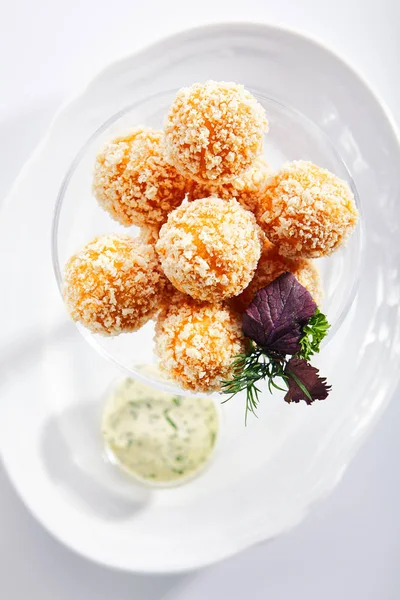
[[157, 436]]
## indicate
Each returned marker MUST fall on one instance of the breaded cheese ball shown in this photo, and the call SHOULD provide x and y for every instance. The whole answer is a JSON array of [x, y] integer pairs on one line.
[[134, 183], [113, 285], [248, 189], [149, 235], [209, 248], [214, 131], [270, 266], [306, 211], [197, 341]]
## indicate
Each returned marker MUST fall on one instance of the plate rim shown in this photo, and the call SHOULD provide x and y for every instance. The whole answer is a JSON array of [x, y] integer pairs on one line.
[[180, 35]]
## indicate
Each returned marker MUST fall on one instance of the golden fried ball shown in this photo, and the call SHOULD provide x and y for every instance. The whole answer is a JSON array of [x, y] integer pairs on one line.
[[209, 248], [307, 211], [113, 285], [270, 266], [248, 189], [214, 131], [134, 183], [197, 341], [149, 235]]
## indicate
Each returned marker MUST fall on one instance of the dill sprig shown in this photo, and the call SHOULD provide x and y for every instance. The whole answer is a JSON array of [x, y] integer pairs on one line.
[[250, 368]]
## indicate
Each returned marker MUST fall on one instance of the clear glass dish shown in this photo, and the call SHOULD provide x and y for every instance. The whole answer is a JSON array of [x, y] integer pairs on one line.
[[78, 218]]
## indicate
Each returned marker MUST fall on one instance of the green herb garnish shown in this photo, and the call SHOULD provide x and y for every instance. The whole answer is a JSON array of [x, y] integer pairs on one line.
[[286, 329], [169, 420], [313, 334], [178, 471], [250, 368]]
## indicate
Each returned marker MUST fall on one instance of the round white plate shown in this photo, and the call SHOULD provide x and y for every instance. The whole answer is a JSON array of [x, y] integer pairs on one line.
[[264, 477]]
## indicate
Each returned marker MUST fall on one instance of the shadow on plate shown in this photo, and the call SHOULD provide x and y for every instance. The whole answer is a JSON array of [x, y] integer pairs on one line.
[[45, 565], [73, 455]]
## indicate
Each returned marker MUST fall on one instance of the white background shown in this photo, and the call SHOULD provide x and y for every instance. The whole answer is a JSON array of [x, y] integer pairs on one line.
[[349, 546]]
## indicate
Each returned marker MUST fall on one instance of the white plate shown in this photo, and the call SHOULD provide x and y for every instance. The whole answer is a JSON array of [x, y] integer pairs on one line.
[[264, 478]]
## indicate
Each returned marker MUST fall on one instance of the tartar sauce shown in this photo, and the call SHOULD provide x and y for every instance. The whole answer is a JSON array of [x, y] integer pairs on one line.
[[157, 436]]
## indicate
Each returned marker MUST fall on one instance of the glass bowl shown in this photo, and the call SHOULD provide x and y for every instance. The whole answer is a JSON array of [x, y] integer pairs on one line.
[[78, 218]]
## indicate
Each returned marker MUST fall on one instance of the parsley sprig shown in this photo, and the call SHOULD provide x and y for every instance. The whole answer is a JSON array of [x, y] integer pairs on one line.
[[313, 334]]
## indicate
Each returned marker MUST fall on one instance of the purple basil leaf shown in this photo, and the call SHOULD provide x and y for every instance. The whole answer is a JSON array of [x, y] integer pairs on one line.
[[277, 314], [299, 370]]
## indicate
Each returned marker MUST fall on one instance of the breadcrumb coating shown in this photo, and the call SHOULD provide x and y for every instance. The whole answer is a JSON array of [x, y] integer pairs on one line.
[[209, 248], [307, 211], [113, 285], [270, 266], [149, 235], [214, 131], [134, 183], [196, 342], [248, 189]]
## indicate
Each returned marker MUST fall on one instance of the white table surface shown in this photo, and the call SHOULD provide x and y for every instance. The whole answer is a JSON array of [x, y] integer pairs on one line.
[[349, 545]]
